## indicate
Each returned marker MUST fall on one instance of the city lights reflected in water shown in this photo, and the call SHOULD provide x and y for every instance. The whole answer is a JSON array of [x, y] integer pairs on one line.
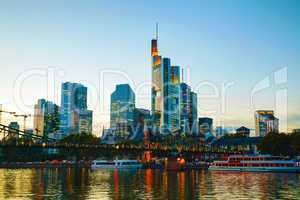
[[145, 184]]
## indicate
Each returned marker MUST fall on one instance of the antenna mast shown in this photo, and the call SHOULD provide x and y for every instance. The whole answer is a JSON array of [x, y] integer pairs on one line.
[[156, 30]]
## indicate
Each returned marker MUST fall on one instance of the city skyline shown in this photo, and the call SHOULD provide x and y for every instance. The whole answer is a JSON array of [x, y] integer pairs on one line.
[[239, 59], [131, 99]]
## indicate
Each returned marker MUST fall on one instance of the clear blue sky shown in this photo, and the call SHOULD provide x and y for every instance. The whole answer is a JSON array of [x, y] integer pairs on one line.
[[242, 42]]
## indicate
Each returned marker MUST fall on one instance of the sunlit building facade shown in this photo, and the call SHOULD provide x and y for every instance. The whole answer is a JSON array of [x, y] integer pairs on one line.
[[265, 122], [38, 118], [157, 85], [46, 118]]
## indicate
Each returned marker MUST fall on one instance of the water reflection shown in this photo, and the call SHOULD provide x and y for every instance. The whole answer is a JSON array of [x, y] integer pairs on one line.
[[145, 184]]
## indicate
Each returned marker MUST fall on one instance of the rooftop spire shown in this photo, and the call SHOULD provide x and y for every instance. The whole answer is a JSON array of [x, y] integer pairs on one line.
[[156, 30], [154, 49]]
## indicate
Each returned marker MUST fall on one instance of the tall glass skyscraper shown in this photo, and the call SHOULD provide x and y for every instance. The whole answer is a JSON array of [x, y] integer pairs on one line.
[[122, 110], [205, 125], [46, 118], [157, 85], [185, 108], [166, 93], [73, 100], [174, 120], [194, 113], [173, 105]]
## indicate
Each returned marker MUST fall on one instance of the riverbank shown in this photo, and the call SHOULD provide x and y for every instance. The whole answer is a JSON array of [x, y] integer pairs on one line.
[[87, 164], [47, 164]]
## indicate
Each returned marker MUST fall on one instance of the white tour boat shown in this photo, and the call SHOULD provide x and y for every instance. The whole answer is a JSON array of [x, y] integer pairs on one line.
[[256, 163], [113, 164]]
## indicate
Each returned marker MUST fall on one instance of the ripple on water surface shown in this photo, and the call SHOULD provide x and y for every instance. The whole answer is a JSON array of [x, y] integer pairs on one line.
[[144, 184]]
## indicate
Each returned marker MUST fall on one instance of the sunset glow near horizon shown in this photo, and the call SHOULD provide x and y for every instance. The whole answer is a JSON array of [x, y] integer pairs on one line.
[[239, 56]]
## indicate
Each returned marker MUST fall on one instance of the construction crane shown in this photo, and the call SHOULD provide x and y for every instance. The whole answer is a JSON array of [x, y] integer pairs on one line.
[[24, 118], [5, 111]]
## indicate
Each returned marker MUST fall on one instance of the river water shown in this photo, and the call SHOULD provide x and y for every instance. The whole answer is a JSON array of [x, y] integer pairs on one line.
[[145, 184]]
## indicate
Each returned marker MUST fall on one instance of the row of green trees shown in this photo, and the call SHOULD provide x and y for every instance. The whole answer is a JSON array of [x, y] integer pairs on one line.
[[84, 138], [280, 144]]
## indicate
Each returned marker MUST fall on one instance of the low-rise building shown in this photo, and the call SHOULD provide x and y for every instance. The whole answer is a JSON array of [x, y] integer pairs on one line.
[[243, 131]]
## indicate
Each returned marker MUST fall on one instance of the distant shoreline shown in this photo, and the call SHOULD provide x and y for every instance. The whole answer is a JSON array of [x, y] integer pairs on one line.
[[24, 165]]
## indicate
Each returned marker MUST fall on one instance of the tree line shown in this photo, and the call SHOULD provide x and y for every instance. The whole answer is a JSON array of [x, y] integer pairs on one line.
[[280, 144]]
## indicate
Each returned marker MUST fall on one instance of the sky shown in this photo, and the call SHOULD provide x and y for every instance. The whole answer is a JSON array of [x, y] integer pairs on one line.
[[238, 55]]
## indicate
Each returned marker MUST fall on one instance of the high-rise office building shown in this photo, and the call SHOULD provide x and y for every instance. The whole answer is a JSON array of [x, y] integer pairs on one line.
[[142, 120], [157, 85], [173, 105], [193, 113], [14, 129], [185, 107], [174, 98], [46, 118], [38, 118], [142, 117], [83, 121], [166, 94], [265, 122], [73, 102], [122, 110], [162, 88], [205, 125]]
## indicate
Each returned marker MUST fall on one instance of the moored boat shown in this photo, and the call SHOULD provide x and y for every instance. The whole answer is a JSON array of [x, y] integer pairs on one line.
[[256, 163], [113, 164]]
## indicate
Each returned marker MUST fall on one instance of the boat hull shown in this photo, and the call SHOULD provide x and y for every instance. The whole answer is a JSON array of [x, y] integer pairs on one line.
[[256, 169], [137, 166]]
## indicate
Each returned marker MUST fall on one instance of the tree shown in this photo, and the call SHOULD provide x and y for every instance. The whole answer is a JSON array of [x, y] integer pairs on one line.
[[295, 142], [83, 138], [276, 144]]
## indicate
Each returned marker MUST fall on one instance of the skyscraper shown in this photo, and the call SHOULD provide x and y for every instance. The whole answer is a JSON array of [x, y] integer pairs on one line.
[[122, 110], [185, 112], [14, 129], [157, 85], [265, 122], [166, 94], [193, 113], [142, 119], [173, 105], [205, 125], [46, 117], [174, 97], [73, 102], [38, 118], [83, 120]]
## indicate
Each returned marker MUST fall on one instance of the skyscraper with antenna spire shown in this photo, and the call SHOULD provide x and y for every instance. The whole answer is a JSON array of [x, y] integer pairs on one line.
[[166, 92], [156, 93]]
